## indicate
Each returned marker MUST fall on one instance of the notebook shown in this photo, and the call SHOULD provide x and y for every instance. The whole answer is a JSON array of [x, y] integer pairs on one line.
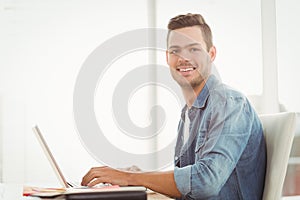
[[70, 189]]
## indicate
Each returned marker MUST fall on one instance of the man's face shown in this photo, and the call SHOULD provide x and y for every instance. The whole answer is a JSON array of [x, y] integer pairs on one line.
[[189, 61]]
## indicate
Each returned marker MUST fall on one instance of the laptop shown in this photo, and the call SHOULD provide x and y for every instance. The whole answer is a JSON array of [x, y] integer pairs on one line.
[[74, 190]]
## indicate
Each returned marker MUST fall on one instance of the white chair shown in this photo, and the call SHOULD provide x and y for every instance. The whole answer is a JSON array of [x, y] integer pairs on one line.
[[279, 130]]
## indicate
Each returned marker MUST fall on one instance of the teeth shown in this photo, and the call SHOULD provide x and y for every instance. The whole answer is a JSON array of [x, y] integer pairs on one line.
[[186, 69]]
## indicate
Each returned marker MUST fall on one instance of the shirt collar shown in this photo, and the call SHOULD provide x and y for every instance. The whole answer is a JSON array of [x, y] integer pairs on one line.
[[200, 102]]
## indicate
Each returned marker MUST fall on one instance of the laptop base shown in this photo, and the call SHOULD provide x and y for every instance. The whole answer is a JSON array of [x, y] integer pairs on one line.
[[125, 195]]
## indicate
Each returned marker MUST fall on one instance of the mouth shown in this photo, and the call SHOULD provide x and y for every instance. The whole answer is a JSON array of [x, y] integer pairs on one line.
[[186, 70]]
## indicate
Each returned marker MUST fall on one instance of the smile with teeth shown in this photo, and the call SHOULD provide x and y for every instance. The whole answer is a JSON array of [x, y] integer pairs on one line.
[[186, 69]]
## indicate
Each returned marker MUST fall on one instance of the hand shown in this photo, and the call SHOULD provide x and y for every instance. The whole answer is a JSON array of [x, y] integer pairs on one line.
[[105, 174], [133, 168]]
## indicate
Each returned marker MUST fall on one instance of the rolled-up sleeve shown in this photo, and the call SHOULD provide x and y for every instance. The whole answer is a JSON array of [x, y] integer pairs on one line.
[[183, 179]]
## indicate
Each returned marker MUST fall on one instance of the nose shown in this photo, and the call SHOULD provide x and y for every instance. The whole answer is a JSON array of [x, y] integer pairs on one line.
[[183, 56]]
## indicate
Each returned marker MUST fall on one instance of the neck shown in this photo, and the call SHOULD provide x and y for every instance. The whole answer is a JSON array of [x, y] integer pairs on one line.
[[190, 94]]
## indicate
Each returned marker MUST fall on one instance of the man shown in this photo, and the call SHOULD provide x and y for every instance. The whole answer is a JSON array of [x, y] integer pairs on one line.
[[220, 151]]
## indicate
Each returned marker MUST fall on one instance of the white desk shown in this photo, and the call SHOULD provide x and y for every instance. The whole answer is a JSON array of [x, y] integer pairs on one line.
[[11, 191], [291, 198]]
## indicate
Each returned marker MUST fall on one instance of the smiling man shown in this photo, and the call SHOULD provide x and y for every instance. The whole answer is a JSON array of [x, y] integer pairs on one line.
[[220, 151]]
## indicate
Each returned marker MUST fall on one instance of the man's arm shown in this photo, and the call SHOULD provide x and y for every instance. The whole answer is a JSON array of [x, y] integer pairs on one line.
[[162, 182]]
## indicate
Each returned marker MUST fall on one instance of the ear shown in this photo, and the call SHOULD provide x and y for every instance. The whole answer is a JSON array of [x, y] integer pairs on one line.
[[212, 53]]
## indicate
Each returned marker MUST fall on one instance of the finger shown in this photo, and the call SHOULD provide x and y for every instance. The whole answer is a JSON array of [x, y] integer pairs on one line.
[[89, 177], [93, 173], [95, 182]]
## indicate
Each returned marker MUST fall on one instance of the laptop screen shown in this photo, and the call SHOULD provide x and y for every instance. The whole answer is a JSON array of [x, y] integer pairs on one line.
[[50, 157]]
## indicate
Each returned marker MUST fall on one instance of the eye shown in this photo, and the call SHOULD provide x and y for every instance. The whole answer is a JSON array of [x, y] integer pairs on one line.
[[173, 51], [194, 49]]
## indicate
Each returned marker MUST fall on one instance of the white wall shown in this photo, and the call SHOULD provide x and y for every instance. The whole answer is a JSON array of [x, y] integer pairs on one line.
[[43, 45], [288, 31]]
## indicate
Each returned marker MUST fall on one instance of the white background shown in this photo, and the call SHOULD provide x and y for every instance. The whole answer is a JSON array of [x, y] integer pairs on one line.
[[44, 43]]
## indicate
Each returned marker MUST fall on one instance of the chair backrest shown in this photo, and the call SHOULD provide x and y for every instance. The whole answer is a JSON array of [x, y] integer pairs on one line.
[[279, 130]]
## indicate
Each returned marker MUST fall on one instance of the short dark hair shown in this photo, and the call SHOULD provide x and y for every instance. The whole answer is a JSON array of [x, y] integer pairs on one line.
[[188, 20]]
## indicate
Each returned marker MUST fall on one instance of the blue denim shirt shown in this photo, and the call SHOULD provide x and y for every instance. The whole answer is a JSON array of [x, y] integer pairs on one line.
[[225, 155]]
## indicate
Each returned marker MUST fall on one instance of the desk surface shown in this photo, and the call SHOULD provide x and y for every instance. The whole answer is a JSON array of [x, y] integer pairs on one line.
[[291, 198]]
